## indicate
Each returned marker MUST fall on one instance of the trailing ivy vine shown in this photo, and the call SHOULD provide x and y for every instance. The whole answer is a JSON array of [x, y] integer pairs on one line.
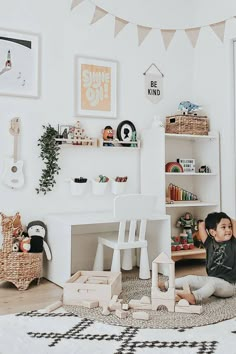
[[50, 151]]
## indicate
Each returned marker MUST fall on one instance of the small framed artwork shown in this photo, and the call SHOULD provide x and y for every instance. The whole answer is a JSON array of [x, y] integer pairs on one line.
[[126, 130], [19, 64], [96, 87], [66, 131]]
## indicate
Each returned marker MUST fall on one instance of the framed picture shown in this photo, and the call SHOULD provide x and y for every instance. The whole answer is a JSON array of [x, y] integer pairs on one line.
[[126, 131], [66, 131], [96, 87], [19, 64]]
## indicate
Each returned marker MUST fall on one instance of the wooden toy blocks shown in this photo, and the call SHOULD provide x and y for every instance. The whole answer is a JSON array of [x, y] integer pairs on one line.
[[92, 286]]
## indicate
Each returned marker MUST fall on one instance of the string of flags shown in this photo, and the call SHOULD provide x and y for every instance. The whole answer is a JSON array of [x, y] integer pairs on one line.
[[142, 31]]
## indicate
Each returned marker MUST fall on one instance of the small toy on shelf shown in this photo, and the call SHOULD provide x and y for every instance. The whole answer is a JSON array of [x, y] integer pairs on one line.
[[196, 238], [204, 169], [175, 167], [178, 194], [134, 139], [189, 225], [108, 136], [187, 107], [79, 137]]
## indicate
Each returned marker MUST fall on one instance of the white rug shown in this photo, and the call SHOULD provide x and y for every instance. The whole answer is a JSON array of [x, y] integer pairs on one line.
[[62, 333]]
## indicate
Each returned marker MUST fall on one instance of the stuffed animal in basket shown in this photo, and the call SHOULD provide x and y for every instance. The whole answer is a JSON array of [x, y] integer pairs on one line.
[[37, 230]]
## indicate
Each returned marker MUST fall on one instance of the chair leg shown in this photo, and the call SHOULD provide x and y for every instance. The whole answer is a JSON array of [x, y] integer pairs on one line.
[[144, 270], [115, 266], [127, 259], [98, 261]]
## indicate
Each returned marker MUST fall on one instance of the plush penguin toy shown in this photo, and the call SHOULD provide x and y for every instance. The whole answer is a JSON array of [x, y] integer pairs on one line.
[[37, 230]]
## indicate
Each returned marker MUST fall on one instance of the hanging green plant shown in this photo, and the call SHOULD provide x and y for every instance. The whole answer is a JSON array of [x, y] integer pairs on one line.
[[50, 151]]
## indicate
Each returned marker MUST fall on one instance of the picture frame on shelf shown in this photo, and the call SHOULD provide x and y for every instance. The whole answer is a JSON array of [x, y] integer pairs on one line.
[[19, 64], [95, 87], [66, 131], [126, 132]]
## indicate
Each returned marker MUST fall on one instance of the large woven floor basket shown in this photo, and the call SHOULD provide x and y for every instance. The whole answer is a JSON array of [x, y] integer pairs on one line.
[[17, 267]]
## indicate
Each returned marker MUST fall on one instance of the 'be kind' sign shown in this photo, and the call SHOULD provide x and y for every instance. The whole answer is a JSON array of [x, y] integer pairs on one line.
[[154, 87]]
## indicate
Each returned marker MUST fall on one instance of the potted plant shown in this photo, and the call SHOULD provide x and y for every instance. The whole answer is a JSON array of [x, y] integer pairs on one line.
[[50, 151]]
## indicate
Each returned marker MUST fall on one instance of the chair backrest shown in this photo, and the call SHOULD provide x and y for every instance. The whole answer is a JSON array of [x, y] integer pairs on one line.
[[133, 208]]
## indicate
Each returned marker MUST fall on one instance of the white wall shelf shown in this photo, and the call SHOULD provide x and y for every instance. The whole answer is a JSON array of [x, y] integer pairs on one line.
[[119, 144], [186, 204], [190, 174]]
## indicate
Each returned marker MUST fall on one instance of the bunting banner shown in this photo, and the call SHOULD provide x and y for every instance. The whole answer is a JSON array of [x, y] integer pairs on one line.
[[219, 29], [98, 14], [142, 33], [154, 87], [192, 34], [167, 34], [119, 25], [75, 3]]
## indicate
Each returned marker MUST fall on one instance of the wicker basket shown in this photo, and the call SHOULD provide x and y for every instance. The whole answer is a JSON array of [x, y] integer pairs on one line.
[[17, 267], [187, 124]]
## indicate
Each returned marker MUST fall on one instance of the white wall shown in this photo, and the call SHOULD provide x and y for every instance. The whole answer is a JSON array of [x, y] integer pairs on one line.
[[65, 34], [213, 88]]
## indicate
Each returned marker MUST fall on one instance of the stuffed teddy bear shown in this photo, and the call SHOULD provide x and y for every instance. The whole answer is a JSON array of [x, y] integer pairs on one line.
[[37, 230]]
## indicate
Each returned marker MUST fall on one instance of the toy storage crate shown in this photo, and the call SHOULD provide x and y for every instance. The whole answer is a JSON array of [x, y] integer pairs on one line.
[[18, 268], [187, 124], [78, 288]]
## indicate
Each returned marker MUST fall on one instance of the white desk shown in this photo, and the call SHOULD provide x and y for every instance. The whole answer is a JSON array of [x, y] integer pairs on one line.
[[59, 225]]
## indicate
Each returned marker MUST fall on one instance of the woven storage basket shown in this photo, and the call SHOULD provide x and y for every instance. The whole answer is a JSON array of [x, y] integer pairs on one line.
[[17, 267], [187, 124]]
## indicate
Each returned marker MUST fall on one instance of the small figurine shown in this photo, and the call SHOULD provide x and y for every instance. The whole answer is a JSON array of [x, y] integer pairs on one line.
[[108, 135], [189, 224], [188, 107], [134, 139], [204, 169]]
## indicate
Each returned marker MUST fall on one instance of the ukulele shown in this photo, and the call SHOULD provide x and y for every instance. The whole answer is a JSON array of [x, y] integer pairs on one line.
[[13, 173]]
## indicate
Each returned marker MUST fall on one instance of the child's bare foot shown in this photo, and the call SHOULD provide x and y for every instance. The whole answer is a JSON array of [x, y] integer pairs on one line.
[[177, 298], [189, 297], [161, 285]]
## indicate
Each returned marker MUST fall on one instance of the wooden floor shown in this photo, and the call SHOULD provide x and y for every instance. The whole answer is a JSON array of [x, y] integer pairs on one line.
[[46, 293]]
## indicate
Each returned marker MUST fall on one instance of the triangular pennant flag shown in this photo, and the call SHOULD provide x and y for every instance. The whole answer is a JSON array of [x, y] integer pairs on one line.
[[193, 34], [142, 33], [219, 29], [75, 3], [119, 25], [167, 36], [98, 14]]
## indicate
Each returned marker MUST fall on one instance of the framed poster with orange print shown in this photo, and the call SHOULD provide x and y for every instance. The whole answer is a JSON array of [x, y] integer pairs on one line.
[[96, 87]]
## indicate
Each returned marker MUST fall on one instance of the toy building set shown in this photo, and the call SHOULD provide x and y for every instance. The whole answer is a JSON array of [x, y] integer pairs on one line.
[[102, 289]]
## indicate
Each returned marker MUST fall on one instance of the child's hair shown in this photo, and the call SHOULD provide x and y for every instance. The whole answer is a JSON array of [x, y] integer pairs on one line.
[[213, 219]]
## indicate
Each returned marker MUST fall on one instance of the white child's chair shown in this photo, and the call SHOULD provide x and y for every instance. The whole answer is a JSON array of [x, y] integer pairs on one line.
[[128, 209]]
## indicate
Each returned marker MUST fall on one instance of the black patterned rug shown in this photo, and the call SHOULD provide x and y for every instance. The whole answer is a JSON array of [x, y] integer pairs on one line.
[[215, 310], [60, 333]]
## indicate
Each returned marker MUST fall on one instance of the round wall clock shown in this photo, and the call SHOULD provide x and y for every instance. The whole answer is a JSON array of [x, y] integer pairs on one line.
[[125, 131]]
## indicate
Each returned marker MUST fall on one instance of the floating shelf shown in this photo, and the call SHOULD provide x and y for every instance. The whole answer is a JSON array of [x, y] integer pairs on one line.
[[188, 203], [119, 144], [189, 174]]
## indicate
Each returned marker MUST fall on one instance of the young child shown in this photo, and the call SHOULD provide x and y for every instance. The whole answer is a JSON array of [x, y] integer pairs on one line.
[[217, 235]]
